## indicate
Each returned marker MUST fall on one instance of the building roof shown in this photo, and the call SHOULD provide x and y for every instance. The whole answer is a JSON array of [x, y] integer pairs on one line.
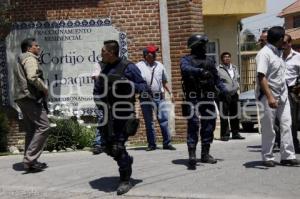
[[291, 9], [294, 32]]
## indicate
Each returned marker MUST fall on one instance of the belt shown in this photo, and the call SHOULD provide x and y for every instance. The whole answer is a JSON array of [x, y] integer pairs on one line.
[[290, 88], [157, 95]]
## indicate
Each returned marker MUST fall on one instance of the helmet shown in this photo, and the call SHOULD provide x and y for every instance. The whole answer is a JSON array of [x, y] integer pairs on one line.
[[197, 39]]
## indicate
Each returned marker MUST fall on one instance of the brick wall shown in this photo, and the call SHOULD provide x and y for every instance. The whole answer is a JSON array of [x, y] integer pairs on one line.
[[139, 19]]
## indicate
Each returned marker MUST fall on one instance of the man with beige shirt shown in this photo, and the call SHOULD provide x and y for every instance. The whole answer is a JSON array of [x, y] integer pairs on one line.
[[30, 93], [272, 92]]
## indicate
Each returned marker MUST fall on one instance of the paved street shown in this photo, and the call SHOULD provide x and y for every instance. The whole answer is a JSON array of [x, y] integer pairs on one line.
[[156, 174]]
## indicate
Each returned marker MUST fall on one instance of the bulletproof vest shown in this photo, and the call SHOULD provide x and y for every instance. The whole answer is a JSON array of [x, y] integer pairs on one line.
[[119, 89], [194, 83]]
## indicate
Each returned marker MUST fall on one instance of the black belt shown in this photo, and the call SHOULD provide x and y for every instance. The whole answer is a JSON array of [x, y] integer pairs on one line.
[[290, 88], [158, 95]]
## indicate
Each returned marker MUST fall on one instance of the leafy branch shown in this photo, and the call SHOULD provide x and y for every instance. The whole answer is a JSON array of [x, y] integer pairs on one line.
[[5, 18]]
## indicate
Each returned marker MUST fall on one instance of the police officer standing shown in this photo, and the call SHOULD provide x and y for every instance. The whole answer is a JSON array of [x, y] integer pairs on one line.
[[200, 80], [114, 95]]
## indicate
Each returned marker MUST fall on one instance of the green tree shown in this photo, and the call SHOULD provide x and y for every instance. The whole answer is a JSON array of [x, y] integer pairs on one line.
[[248, 41], [5, 19]]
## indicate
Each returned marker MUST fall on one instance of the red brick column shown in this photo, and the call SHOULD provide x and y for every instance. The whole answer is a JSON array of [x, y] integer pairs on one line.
[[185, 18]]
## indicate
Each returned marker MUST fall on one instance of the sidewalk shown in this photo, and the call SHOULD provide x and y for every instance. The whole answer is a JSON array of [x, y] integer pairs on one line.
[[156, 174]]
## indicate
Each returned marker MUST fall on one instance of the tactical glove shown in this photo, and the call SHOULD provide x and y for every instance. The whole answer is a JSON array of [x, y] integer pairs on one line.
[[206, 74]]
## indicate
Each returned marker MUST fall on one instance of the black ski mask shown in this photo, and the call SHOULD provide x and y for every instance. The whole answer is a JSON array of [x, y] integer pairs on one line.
[[199, 50]]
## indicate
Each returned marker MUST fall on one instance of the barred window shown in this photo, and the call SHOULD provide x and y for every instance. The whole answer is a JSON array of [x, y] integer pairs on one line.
[[296, 21], [212, 51]]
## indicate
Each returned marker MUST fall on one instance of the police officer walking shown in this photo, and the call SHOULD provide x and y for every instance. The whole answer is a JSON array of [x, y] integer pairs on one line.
[[200, 80], [114, 95]]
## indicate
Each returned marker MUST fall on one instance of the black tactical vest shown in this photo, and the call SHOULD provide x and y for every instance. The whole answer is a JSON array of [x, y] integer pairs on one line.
[[194, 83], [120, 91]]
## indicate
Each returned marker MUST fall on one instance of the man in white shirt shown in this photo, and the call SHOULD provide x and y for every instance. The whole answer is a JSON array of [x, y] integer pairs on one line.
[[262, 42], [292, 60], [154, 74], [272, 92]]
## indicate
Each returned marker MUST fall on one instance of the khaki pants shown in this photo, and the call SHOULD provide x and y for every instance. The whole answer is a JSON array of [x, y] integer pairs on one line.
[[283, 113], [36, 125]]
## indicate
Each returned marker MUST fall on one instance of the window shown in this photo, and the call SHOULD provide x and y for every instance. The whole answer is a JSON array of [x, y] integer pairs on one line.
[[212, 51], [296, 21]]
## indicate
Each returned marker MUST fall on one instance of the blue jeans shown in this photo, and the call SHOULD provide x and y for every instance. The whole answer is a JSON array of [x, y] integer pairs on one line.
[[161, 109], [98, 141]]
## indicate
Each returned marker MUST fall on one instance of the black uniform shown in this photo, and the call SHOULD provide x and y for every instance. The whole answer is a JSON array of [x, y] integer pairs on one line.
[[114, 133]]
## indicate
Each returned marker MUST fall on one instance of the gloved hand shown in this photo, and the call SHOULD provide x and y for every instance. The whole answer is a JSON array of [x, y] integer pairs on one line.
[[206, 74]]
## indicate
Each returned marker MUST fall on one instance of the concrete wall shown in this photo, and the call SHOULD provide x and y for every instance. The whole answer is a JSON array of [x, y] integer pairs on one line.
[[224, 30]]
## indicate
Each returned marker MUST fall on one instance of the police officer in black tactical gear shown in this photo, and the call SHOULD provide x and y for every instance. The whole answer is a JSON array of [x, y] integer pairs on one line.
[[200, 86], [114, 95]]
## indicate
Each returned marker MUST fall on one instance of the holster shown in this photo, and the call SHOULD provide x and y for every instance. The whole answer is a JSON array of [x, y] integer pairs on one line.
[[185, 109], [131, 126]]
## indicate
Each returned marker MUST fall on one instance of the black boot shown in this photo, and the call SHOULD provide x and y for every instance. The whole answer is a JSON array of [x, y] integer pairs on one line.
[[192, 158], [205, 157], [237, 136], [125, 185]]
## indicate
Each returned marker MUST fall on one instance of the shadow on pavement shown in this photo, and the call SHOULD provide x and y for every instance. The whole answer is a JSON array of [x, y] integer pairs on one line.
[[254, 147], [142, 148], [110, 184], [254, 130], [139, 148], [185, 162], [18, 166], [255, 165]]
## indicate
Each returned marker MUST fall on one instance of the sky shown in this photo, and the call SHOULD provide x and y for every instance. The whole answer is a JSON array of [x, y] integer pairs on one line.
[[256, 23]]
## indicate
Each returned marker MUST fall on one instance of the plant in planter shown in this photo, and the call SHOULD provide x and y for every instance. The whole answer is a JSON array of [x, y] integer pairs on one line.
[[67, 130]]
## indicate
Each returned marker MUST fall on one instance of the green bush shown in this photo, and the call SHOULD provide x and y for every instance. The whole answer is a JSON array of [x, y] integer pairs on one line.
[[69, 134], [3, 132], [85, 138]]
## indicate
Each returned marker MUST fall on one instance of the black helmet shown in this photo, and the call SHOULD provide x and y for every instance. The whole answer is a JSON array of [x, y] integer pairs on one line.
[[197, 39]]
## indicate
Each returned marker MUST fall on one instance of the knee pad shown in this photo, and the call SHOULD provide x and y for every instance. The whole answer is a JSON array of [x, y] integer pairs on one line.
[[117, 150]]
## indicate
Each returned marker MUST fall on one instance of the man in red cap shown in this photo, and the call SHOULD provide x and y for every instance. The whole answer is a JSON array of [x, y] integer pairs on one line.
[[154, 73]]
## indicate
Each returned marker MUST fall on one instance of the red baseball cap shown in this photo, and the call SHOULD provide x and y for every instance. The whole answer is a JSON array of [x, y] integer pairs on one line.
[[151, 48]]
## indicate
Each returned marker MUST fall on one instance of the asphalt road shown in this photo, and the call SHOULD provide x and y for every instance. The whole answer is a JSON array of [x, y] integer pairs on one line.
[[156, 174]]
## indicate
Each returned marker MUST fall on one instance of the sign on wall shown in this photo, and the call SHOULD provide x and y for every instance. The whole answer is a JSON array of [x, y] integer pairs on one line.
[[70, 50]]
